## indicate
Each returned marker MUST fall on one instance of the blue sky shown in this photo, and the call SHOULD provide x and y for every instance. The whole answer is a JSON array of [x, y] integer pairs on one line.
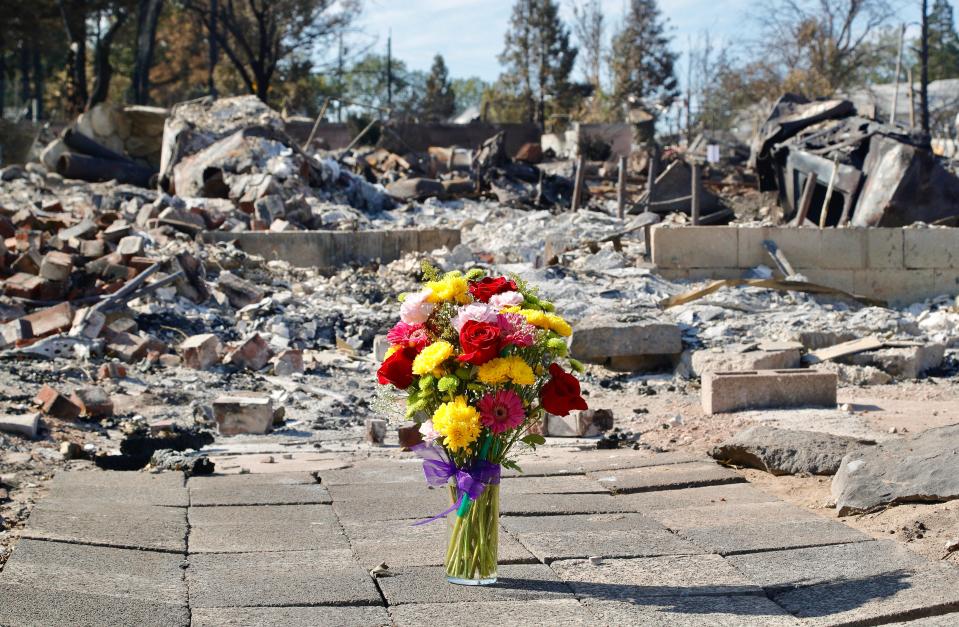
[[469, 33]]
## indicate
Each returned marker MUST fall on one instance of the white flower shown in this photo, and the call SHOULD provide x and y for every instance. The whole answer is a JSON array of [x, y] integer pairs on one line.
[[506, 299], [480, 312], [429, 434], [415, 309]]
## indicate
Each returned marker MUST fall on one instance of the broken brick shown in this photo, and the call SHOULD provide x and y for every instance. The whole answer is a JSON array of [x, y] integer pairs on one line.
[[252, 354], [126, 346], [28, 262], [239, 292], [13, 332], [93, 402], [56, 266], [55, 404], [287, 362], [409, 434], [111, 370], [50, 320], [130, 246], [201, 351], [93, 248]]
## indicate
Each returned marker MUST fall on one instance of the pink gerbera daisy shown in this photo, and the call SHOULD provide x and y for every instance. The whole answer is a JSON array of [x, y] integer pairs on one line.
[[404, 334], [501, 411]]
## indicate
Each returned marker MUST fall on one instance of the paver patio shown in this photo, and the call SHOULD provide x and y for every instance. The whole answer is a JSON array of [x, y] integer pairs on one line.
[[296, 549]]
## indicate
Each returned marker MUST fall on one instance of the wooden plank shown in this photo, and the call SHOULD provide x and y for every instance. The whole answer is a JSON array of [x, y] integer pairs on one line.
[[861, 345]]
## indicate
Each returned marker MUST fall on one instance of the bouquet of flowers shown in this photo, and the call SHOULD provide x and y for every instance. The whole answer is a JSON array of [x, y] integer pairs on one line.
[[480, 361]]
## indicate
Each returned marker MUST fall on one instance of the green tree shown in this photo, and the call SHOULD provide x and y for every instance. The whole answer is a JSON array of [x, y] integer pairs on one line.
[[538, 57], [439, 100], [943, 42], [365, 82], [469, 92], [641, 60]]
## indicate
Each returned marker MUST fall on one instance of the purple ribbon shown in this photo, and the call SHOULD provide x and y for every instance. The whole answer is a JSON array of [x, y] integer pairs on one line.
[[439, 469]]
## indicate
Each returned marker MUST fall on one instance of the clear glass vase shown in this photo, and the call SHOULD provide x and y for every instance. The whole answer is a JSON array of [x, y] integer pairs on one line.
[[473, 546]]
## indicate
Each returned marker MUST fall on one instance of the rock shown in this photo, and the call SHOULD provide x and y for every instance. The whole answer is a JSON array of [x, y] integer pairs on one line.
[[71, 450], [380, 346], [786, 452], [626, 345], [921, 469], [243, 414], [189, 462], [579, 424], [26, 425], [375, 431]]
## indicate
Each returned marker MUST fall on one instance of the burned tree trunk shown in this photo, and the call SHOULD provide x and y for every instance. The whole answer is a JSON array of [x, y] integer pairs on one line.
[[924, 70], [74, 16], [38, 81], [102, 69], [148, 15]]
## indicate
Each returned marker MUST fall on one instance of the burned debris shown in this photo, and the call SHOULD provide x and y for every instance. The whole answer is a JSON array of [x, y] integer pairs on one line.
[[833, 167]]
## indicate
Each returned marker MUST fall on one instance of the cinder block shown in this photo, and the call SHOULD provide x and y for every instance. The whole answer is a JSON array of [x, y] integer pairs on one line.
[[762, 389], [696, 247], [895, 286], [843, 249], [801, 246], [751, 251], [844, 280], [884, 248], [598, 339], [931, 248], [946, 281]]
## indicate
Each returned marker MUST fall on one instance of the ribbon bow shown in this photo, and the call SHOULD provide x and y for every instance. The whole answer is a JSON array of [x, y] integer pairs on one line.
[[439, 469]]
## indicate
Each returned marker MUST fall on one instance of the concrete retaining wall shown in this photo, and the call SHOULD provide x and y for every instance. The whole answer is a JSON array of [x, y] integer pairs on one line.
[[329, 249], [897, 265]]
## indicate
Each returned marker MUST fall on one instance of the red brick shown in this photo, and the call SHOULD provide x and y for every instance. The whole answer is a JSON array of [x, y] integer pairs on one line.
[[252, 354], [93, 402], [50, 320], [201, 351], [55, 404], [23, 285], [127, 347], [289, 361], [29, 261], [409, 433], [111, 370]]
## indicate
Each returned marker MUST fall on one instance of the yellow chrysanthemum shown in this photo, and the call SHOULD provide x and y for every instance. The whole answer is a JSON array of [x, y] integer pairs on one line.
[[559, 325], [512, 309], [458, 423], [390, 351], [431, 357], [450, 288], [503, 369], [520, 372], [493, 372]]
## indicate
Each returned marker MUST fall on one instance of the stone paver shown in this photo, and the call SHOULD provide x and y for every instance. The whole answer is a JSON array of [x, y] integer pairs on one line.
[[761, 536], [400, 544], [126, 488], [605, 535], [672, 477], [641, 578], [258, 494], [25, 606], [52, 583], [242, 529], [109, 524], [692, 611], [277, 579], [146, 575], [557, 612], [327, 616], [282, 549], [868, 582], [515, 582], [695, 497]]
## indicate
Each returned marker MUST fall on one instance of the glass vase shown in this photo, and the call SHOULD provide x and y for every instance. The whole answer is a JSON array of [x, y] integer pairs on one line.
[[473, 546]]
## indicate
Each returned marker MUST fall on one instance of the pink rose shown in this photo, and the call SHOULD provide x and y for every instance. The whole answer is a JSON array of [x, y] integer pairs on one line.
[[415, 309], [506, 299]]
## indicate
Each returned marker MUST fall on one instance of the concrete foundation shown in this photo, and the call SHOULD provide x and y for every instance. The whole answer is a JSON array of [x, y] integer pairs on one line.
[[897, 265], [330, 249], [762, 389]]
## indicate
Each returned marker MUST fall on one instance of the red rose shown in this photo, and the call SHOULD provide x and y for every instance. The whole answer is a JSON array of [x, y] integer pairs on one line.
[[561, 393], [483, 289], [398, 368], [480, 342]]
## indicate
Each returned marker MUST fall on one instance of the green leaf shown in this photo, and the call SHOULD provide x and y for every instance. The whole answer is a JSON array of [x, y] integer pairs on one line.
[[533, 439]]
